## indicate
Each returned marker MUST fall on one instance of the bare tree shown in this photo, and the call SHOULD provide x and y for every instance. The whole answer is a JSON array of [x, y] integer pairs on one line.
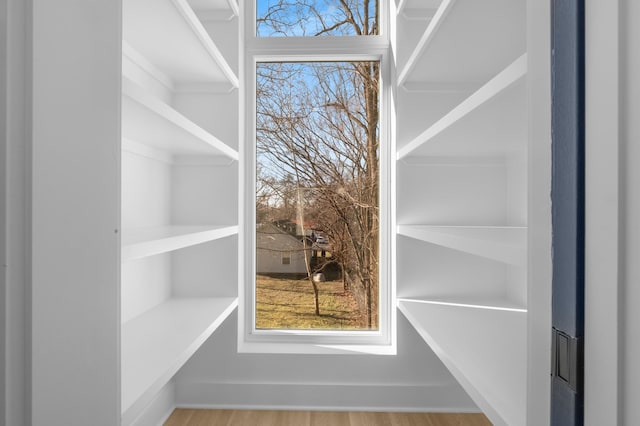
[[318, 122]]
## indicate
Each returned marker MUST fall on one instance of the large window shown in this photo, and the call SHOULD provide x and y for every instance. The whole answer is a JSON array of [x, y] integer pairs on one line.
[[317, 165], [317, 191]]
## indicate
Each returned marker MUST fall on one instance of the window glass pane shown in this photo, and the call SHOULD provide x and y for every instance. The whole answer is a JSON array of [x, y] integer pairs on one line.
[[317, 195], [277, 18]]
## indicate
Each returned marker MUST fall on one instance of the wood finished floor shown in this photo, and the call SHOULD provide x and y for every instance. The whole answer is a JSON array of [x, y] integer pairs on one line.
[[186, 417]]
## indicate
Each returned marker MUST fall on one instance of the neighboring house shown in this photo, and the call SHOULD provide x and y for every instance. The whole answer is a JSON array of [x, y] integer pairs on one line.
[[278, 252]]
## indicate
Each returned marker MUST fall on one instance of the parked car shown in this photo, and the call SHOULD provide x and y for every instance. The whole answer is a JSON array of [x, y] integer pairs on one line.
[[321, 240]]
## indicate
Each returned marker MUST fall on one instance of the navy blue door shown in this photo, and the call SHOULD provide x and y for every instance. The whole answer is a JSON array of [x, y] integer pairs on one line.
[[568, 99]]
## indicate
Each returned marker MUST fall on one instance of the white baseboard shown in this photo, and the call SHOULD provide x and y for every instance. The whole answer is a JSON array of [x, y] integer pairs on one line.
[[448, 397], [157, 411]]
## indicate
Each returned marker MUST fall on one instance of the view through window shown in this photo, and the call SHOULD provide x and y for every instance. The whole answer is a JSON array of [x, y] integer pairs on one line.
[[316, 18], [317, 172], [317, 195]]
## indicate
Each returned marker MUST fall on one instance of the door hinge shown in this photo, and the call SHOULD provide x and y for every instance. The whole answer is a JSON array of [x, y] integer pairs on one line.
[[567, 359]]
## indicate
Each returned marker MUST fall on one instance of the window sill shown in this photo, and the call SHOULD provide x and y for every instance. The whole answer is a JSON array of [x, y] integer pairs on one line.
[[273, 347]]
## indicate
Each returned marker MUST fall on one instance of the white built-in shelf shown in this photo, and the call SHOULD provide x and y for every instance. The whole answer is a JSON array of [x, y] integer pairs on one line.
[[467, 41], [490, 121], [157, 343], [471, 301], [148, 120], [506, 244], [143, 242], [169, 35], [215, 10], [420, 10], [485, 350]]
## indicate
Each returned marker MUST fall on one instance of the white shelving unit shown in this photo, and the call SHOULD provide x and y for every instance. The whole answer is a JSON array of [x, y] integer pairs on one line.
[[502, 243], [170, 36], [179, 190], [463, 42], [143, 242], [493, 113], [462, 192], [155, 345], [482, 347], [148, 120]]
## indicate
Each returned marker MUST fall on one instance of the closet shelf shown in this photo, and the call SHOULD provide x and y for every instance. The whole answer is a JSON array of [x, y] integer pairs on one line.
[[502, 243], [484, 349], [417, 9], [144, 242], [492, 120], [148, 120], [157, 343], [469, 301], [169, 35], [467, 41], [216, 6]]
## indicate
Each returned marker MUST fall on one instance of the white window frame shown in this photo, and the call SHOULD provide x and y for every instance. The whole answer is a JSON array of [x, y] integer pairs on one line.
[[311, 49]]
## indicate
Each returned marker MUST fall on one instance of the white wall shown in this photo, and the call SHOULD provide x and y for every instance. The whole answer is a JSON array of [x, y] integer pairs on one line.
[[539, 213], [75, 217], [630, 191], [612, 377], [12, 219], [415, 379], [603, 250], [3, 211]]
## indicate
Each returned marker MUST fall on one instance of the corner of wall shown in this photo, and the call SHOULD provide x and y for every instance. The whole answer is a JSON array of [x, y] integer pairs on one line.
[[13, 217]]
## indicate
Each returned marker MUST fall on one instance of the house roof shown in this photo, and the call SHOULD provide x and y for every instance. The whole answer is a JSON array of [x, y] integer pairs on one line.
[[270, 237]]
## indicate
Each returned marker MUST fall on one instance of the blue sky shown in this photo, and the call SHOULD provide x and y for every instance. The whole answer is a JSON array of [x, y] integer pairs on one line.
[[329, 9]]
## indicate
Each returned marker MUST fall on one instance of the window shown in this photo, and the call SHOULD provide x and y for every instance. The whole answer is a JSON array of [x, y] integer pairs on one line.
[[290, 18], [317, 168], [317, 138]]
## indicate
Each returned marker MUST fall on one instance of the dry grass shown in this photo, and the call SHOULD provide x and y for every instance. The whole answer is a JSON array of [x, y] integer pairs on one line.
[[285, 303]]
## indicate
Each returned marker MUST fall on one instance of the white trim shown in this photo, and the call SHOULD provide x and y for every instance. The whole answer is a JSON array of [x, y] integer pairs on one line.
[[602, 203], [308, 49], [4, 208], [398, 397], [158, 410], [539, 213]]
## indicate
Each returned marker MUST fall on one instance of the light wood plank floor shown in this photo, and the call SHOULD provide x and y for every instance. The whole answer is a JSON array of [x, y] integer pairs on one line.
[[185, 417]]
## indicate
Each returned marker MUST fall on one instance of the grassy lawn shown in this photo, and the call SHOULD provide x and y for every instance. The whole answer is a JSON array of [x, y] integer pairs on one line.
[[289, 304]]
